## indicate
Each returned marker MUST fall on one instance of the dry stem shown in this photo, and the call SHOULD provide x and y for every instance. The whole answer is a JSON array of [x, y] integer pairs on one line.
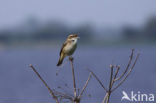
[[76, 98], [94, 75], [73, 75], [85, 86], [50, 90], [121, 82], [59, 95], [113, 78]]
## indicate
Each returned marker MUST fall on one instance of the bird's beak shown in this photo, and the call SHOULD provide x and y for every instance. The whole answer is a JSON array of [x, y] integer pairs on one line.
[[78, 37]]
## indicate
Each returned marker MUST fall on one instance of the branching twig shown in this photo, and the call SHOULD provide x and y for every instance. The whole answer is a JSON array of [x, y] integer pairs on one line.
[[110, 83], [77, 98], [127, 73], [113, 78], [50, 90], [85, 86], [116, 73], [129, 63], [59, 96], [98, 80]]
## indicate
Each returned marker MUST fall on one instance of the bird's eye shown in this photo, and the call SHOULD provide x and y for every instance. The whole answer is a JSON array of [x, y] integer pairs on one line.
[[73, 40]]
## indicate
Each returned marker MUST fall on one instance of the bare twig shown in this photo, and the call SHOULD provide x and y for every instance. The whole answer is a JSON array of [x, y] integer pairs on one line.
[[110, 83], [59, 96], [116, 73], [105, 98], [130, 60], [76, 97], [84, 87], [50, 90], [98, 80], [127, 73], [73, 75], [111, 77], [122, 77]]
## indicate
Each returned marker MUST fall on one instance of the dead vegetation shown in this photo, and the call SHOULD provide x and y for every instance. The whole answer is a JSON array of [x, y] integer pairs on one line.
[[115, 81]]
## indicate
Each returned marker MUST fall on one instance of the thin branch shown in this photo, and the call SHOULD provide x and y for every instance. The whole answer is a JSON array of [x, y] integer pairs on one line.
[[111, 77], [110, 83], [105, 98], [108, 96], [113, 80], [116, 73], [98, 80], [73, 75], [127, 73], [50, 90], [85, 86], [130, 60]]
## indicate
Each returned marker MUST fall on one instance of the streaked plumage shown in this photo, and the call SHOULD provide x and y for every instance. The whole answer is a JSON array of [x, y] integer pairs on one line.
[[68, 47]]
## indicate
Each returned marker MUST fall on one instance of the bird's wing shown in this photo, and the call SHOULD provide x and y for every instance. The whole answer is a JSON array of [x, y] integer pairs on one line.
[[64, 44]]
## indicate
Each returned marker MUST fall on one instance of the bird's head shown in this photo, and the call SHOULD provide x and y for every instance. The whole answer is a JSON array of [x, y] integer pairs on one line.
[[73, 37]]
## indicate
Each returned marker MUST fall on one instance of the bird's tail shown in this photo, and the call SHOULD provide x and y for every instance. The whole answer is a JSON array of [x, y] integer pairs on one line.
[[60, 60]]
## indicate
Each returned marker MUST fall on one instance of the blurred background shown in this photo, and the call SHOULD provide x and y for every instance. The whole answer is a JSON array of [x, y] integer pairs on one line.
[[32, 32]]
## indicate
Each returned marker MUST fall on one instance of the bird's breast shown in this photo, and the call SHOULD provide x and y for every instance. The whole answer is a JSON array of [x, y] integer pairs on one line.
[[70, 48]]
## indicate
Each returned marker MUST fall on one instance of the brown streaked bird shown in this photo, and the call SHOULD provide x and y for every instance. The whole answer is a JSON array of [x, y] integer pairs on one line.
[[68, 47]]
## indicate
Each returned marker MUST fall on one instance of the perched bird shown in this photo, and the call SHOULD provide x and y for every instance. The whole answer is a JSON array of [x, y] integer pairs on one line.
[[68, 47]]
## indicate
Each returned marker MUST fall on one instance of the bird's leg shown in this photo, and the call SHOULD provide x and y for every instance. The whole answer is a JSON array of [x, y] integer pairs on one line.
[[71, 58]]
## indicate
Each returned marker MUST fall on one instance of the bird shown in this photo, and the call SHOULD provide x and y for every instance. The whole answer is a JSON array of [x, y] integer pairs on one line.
[[68, 47]]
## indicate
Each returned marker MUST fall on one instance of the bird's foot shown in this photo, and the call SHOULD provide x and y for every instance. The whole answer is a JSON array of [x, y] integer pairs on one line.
[[71, 58]]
